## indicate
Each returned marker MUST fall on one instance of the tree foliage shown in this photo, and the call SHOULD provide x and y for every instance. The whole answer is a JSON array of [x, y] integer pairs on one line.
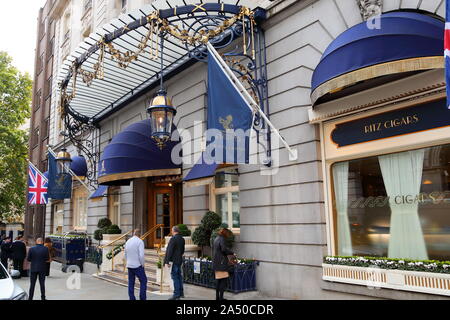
[[15, 98]]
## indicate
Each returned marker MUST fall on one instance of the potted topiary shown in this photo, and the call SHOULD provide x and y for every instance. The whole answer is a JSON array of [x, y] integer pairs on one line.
[[111, 233], [202, 235], [102, 225]]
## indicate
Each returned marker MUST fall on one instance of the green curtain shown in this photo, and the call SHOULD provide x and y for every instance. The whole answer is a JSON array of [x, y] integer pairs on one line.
[[340, 178]]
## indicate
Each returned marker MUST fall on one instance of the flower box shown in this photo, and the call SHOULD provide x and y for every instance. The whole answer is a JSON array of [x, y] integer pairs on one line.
[[376, 277], [242, 280]]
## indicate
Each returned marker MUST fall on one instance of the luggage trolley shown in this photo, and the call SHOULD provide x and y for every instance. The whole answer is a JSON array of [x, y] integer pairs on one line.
[[70, 249]]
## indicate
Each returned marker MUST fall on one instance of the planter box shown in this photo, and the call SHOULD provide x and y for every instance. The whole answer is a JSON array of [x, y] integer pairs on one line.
[[423, 282], [242, 280]]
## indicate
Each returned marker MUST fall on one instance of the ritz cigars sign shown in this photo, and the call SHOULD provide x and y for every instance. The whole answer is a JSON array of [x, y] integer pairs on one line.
[[403, 121]]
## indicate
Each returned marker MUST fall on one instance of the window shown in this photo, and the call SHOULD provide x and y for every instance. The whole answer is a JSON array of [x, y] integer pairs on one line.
[[45, 128], [35, 138], [41, 63], [114, 205], [37, 101], [58, 218], [225, 197], [394, 205], [51, 48], [79, 202], [49, 86]]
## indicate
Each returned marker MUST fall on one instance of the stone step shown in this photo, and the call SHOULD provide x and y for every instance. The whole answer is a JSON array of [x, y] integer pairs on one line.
[[151, 286], [148, 267], [151, 277]]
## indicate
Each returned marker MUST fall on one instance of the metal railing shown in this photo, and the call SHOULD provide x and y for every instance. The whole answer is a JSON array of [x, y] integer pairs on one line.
[[143, 237]]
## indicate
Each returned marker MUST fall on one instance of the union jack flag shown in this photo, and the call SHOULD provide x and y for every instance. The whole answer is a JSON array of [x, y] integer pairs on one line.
[[447, 50], [37, 186]]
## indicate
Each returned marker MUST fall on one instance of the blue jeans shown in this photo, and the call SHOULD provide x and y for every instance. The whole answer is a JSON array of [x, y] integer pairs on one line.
[[177, 280], [132, 274]]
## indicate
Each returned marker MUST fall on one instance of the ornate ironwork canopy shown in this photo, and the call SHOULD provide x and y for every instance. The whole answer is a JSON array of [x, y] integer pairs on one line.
[[129, 56], [121, 61]]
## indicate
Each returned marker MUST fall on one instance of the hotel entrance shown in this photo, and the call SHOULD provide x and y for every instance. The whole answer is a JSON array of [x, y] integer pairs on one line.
[[164, 208]]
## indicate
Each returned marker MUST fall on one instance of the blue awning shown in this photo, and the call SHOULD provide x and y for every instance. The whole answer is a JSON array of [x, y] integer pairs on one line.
[[79, 166], [407, 37], [201, 173], [133, 154], [99, 193]]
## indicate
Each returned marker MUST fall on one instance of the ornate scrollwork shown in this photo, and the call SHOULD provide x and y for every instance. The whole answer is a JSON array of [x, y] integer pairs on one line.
[[193, 26], [83, 136]]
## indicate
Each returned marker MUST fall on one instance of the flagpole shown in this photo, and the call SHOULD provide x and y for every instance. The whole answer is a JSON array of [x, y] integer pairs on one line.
[[70, 171], [35, 168], [293, 154]]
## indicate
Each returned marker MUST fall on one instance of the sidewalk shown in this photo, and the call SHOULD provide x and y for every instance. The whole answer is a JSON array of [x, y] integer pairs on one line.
[[95, 289]]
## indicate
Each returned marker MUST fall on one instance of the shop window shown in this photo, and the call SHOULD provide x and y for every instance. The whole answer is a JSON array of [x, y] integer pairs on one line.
[[114, 205], [225, 197], [79, 205], [394, 205]]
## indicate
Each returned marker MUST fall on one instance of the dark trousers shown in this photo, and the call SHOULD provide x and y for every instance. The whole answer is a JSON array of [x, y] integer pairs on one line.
[[220, 288], [33, 277], [132, 274], [47, 272], [5, 262], [177, 281], [18, 265]]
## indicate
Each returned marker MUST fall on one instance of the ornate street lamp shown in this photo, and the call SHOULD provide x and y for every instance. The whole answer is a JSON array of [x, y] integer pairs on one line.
[[161, 112], [63, 161]]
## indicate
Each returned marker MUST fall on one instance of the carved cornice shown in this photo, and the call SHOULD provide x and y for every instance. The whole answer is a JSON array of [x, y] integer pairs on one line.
[[370, 8]]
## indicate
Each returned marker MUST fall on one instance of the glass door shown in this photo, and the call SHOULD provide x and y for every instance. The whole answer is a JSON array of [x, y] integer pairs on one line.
[[163, 212]]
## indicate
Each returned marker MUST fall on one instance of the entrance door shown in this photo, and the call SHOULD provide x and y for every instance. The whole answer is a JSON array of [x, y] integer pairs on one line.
[[163, 212]]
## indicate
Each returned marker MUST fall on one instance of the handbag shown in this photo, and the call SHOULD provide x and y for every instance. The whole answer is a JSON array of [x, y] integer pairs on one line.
[[232, 261]]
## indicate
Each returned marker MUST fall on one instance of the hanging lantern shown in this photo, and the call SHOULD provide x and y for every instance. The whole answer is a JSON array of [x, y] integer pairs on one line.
[[161, 112], [63, 161]]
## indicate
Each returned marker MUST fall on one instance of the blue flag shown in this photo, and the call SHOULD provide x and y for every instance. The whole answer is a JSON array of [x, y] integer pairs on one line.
[[230, 119], [59, 184]]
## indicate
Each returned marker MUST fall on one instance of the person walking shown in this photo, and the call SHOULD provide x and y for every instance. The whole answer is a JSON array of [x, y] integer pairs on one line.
[[135, 257], [26, 263], [38, 257], [19, 253], [6, 252], [221, 262], [51, 253], [174, 254]]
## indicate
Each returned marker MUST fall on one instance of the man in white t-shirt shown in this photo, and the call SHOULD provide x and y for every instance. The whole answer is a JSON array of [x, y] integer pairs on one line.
[[134, 254]]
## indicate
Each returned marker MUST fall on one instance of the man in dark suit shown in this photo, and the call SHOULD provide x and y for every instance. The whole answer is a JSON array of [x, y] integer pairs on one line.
[[38, 256], [19, 253], [6, 252], [174, 254]]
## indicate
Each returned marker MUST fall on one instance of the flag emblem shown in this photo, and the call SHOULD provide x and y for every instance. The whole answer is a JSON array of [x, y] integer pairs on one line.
[[37, 187]]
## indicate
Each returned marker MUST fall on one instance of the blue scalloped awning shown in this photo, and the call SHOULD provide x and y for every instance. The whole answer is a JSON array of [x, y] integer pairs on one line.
[[133, 154], [201, 173], [403, 35], [79, 166]]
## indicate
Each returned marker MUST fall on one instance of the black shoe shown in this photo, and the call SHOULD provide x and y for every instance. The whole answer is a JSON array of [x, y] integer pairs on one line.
[[182, 296], [174, 298]]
